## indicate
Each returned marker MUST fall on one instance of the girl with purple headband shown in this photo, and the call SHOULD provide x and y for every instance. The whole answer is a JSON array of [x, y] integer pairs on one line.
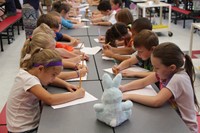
[[38, 68]]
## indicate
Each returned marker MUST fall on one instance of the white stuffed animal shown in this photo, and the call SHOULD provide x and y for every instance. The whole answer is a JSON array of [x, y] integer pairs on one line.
[[112, 110]]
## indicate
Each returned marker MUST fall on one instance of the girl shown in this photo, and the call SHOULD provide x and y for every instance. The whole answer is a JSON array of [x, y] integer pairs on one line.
[[175, 72], [37, 69], [124, 15], [119, 32], [116, 5], [63, 9], [47, 41]]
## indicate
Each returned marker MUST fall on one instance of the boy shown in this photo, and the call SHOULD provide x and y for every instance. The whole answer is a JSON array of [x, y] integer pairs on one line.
[[54, 22], [144, 43], [109, 15], [118, 53]]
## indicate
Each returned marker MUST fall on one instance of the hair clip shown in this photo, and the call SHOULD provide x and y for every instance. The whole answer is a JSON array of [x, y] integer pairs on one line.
[[41, 49], [26, 57]]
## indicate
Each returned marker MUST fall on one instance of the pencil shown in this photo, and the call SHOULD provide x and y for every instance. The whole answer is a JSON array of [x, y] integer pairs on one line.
[[80, 80], [81, 45]]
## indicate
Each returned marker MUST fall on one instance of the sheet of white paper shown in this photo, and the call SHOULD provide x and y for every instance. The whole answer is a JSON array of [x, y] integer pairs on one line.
[[85, 20], [91, 51], [96, 40], [80, 45], [82, 78], [108, 70], [134, 68], [85, 26], [87, 98], [81, 6], [107, 58], [148, 91], [137, 69], [83, 9]]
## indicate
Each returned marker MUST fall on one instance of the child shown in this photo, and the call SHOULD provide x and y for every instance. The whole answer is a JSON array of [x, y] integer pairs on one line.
[[137, 26], [47, 41], [53, 20], [175, 71], [116, 5], [109, 15], [113, 35], [63, 9], [37, 69], [124, 15], [144, 43]]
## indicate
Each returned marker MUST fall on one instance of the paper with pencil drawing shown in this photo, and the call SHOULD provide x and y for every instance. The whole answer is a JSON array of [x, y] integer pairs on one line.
[[87, 98], [80, 45], [148, 91], [82, 78], [91, 51], [133, 68]]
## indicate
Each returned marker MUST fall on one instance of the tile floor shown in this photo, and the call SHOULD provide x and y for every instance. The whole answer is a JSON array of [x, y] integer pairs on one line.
[[10, 57]]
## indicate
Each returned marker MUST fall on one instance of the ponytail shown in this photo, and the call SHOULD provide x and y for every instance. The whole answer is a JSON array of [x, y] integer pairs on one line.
[[189, 68]]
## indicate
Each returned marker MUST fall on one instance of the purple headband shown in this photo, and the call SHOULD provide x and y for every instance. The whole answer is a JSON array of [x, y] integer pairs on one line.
[[50, 64]]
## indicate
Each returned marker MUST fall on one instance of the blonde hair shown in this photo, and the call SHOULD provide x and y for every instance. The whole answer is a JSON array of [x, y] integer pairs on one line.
[[39, 40], [40, 56], [43, 28]]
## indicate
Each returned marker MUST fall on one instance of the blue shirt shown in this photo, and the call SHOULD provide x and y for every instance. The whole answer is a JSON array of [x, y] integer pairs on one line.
[[59, 36], [67, 23]]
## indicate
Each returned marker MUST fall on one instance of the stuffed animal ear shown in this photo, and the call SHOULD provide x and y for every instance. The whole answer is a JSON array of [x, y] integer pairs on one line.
[[117, 80], [107, 81]]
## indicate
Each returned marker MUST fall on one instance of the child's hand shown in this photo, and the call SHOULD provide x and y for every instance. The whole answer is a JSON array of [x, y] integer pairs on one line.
[[108, 53], [106, 46], [72, 87], [125, 97], [115, 69], [83, 71], [101, 39], [127, 73], [80, 93], [75, 42], [84, 57]]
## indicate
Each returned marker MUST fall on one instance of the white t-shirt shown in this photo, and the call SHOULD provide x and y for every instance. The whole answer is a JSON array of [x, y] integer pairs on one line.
[[110, 18], [181, 88], [22, 109]]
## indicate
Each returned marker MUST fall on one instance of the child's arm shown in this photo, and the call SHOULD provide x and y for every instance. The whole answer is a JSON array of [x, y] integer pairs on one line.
[[125, 64], [64, 53], [129, 73], [154, 101], [72, 41], [140, 83], [73, 74], [123, 50], [53, 99], [109, 53], [103, 23]]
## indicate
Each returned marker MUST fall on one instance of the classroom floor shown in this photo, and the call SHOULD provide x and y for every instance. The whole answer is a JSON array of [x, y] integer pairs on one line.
[[10, 57]]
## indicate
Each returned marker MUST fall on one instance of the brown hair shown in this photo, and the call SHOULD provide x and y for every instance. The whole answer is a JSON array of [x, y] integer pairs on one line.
[[49, 20], [141, 24], [124, 15], [146, 38], [59, 6], [117, 31], [169, 54]]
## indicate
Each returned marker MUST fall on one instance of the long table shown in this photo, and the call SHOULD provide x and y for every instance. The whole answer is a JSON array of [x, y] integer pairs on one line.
[[81, 118]]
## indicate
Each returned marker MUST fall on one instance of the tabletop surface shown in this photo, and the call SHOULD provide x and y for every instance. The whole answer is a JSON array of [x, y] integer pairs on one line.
[[81, 118]]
